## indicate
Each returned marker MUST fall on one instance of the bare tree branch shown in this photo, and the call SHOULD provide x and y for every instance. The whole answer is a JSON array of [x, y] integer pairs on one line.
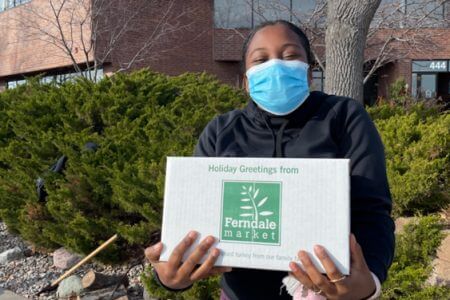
[[88, 32]]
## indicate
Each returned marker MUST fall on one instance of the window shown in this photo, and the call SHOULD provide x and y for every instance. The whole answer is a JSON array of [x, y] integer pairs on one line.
[[425, 86], [60, 78], [301, 10], [251, 13], [232, 14], [414, 82], [447, 14], [7, 4], [269, 10], [425, 13], [426, 78], [14, 83], [412, 13], [389, 14], [318, 82], [434, 9]]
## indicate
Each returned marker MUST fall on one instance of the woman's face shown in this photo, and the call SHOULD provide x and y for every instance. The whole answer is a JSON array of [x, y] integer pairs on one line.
[[275, 41]]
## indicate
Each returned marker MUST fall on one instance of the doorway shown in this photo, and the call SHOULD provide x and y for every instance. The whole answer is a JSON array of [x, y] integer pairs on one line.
[[443, 86]]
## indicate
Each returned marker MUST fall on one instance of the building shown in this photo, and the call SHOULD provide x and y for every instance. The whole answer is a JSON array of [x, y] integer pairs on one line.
[[174, 36]]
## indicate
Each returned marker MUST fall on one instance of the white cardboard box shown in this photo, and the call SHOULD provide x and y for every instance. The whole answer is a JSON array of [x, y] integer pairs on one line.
[[262, 210]]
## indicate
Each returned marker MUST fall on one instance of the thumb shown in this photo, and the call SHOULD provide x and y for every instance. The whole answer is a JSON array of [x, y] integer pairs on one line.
[[153, 253], [357, 257]]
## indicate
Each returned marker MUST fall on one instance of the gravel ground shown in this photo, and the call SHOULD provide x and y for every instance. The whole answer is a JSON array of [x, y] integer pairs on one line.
[[28, 275]]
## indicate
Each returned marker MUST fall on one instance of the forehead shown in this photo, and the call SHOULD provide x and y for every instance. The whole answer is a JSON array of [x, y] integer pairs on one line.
[[273, 37]]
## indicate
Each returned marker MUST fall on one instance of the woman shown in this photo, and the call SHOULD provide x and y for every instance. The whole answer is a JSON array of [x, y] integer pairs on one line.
[[285, 120]]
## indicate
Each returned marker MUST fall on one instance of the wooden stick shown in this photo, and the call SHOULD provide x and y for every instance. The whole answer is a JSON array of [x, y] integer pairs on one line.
[[84, 260]]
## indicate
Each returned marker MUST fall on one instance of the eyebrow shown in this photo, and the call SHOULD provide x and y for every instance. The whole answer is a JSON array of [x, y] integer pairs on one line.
[[282, 47]]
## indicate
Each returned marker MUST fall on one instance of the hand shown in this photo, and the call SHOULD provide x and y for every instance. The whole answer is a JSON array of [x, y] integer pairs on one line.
[[358, 285], [177, 275]]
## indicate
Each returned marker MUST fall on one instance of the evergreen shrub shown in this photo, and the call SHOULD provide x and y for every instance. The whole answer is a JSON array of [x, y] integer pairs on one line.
[[415, 249], [417, 143], [138, 119], [135, 120]]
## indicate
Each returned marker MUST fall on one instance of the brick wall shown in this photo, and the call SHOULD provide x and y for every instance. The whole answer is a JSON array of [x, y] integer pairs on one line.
[[188, 41], [424, 44], [228, 44], [22, 50], [190, 48]]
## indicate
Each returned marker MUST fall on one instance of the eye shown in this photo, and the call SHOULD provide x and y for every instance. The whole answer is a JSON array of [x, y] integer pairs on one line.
[[291, 56], [259, 60]]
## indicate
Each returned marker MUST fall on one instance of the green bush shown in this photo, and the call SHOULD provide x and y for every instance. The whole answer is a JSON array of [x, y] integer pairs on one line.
[[417, 145], [136, 120], [414, 251], [398, 92], [207, 289]]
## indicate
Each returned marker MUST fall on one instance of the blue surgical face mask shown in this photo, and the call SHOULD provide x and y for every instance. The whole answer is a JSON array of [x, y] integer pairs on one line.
[[279, 86]]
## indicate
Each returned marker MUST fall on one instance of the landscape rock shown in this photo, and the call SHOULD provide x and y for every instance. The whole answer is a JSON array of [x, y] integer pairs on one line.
[[441, 265], [28, 275], [146, 296], [69, 287], [10, 255], [445, 216], [63, 259], [401, 222], [8, 295], [112, 293]]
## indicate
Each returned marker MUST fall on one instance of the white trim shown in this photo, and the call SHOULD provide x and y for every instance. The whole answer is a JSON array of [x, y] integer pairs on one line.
[[377, 293], [271, 62]]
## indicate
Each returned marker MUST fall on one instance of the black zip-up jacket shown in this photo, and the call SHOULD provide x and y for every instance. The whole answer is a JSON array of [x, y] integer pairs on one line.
[[324, 126]]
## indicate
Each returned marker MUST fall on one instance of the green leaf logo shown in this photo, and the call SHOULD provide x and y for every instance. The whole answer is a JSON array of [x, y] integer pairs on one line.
[[251, 211], [250, 194]]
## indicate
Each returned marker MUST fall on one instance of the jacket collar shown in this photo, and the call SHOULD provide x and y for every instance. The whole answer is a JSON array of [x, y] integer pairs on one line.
[[296, 118]]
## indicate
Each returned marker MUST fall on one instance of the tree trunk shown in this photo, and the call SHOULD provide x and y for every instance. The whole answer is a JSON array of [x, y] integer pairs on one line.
[[347, 26]]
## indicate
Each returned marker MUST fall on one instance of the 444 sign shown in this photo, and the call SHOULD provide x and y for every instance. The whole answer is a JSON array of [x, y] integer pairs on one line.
[[431, 66], [438, 65]]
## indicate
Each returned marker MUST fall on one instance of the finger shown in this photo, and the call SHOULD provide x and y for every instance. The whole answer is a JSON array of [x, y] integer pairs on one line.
[[196, 256], [206, 266], [177, 254], [357, 257], [332, 271], [219, 270], [222, 269], [301, 275], [317, 278], [153, 253]]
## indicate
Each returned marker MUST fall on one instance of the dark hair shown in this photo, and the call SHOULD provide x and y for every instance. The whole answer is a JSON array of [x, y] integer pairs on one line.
[[301, 35]]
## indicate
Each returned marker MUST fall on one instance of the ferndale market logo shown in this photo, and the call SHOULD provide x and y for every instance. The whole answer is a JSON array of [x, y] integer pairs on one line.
[[251, 212]]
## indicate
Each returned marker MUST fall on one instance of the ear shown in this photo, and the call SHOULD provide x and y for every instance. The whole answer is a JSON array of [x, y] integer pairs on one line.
[[245, 83]]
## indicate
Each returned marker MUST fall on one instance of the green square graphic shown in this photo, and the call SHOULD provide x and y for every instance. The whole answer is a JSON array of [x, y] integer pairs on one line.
[[251, 212]]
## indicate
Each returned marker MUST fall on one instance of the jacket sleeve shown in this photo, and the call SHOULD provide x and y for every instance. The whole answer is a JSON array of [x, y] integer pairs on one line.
[[371, 202], [206, 143]]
